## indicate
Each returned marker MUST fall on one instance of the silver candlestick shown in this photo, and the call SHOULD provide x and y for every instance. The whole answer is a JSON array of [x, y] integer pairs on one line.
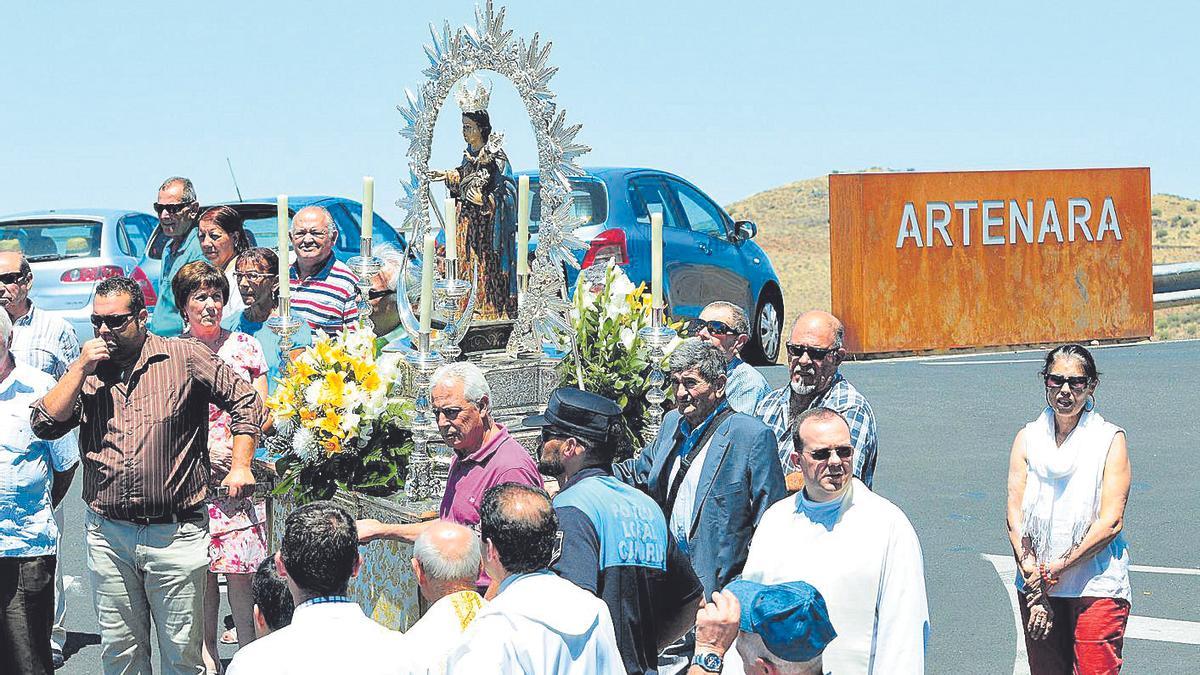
[[420, 485], [655, 339], [284, 324], [365, 266], [450, 292]]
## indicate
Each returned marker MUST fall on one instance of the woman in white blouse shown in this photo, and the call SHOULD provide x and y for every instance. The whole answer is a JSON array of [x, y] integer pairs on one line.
[[1068, 483]]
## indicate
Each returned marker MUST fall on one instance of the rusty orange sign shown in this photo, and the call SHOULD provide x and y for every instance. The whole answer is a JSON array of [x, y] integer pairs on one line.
[[940, 261]]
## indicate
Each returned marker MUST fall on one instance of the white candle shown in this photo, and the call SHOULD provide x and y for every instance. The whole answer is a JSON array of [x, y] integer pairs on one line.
[[656, 258], [285, 287], [523, 225], [451, 229], [368, 206], [427, 263]]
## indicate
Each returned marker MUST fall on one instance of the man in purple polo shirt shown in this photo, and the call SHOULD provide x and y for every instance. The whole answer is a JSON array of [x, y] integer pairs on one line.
[[484, 454]]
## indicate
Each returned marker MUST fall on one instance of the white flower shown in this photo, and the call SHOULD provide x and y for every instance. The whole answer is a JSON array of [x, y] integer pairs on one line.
[[672, 345], [627, 336], [312, 393], [304, 445]]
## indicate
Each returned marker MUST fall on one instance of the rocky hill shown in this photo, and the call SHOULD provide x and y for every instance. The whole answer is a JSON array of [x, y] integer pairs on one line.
[[793, 226]]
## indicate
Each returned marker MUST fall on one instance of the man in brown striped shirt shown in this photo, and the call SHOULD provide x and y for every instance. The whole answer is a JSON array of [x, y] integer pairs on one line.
[[141, 402]]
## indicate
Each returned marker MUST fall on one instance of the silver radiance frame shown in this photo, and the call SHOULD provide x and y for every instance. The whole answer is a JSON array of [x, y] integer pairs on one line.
[[543, 312]]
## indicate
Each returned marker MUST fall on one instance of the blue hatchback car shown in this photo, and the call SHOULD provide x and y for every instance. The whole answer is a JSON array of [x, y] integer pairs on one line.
[[707, 256]]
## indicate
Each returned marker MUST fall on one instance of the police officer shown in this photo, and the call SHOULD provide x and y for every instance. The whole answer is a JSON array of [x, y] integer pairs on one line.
[[613, 539]]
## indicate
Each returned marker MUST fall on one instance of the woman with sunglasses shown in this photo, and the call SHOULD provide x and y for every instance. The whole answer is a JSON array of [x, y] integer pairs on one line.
[[222, 234], [237, 526], [1068, 483]]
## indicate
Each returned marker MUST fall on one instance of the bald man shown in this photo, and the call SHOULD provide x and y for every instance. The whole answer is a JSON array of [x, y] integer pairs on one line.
[[814, 354], [446, 562], [324, 290]]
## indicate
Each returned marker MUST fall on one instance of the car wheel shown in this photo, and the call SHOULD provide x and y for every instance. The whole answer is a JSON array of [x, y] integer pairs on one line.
[[766, 331]]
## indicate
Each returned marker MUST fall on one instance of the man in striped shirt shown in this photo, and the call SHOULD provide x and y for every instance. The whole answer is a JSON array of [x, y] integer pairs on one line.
[[323, 288]]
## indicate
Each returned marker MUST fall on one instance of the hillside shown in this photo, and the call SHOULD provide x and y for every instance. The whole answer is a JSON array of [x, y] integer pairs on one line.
[[793, 226]]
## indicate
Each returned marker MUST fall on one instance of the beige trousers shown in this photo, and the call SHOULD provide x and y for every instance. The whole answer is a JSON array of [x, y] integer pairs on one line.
[[144, 572]]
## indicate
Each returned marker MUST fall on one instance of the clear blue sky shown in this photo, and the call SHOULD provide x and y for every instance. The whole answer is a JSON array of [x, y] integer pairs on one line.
[[101, 101]]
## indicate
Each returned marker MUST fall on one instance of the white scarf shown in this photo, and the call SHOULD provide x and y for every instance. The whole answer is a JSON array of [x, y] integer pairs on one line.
[[1062, 486]]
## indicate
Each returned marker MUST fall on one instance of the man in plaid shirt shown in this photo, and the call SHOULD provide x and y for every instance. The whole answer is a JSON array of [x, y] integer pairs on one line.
[[814, 354]]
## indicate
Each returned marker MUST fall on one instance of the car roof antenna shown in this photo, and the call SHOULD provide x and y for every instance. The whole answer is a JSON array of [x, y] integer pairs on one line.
[[236, 189]]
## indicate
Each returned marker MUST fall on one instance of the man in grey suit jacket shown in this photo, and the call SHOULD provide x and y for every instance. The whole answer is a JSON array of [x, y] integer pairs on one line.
[[713, 471]]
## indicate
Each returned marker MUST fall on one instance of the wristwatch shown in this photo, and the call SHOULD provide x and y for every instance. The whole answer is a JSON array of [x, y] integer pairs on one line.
[[709, 662]]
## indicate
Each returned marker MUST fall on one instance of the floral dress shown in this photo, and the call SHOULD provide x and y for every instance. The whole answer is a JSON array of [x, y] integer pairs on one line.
[[237, 526]]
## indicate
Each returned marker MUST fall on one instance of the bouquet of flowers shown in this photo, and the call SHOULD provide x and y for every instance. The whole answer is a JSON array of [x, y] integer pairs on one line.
[[337, 424], [607, 313]]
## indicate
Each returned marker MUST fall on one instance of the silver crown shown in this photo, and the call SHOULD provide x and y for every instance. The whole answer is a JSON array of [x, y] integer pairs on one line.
[[474, 99]]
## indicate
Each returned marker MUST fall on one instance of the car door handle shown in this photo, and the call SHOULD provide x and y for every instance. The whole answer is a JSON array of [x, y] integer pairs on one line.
[[704, 247]]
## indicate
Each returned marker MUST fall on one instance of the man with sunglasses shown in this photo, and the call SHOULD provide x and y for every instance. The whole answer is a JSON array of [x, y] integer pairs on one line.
[[856, 548], [814, 354], [713, 471], [46, 342], [485, 454], [178, 214], [725, 325], [136, 398], [613, 539]]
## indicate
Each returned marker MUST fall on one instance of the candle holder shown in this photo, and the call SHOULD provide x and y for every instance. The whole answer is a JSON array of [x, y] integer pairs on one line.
[[522, 286], [284, 324], [365, 266], [449, 293], [420, 486], [655, 339]]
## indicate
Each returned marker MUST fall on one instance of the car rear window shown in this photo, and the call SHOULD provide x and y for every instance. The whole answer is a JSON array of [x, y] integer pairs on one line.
[[43, 240], [589, 202]]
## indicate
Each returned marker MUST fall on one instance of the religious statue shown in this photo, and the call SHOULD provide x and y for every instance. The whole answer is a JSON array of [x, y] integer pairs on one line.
[[486, 227]]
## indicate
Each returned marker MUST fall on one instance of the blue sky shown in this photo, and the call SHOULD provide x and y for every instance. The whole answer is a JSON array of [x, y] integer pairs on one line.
[[101, 101]]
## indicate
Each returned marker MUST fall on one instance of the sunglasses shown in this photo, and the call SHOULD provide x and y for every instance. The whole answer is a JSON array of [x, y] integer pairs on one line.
[[822, 454], [450, 413], [113, 321], [1078, 383], [713, 327], [12, 278], [173, 209], [814, 353], [376, 294]]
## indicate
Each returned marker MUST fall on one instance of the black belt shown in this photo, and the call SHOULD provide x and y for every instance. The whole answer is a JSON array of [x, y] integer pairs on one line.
[[193, 514]]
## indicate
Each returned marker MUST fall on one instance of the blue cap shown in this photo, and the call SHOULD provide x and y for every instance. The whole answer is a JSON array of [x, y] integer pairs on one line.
[[578, 412], [791, 618]]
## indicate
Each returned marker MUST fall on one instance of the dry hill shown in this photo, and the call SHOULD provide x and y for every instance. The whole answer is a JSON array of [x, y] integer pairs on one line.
[[793, 225]]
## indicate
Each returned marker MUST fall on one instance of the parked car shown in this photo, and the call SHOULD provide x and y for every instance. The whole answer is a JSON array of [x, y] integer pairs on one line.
[[71, 250], [263, 229], [707, 256]]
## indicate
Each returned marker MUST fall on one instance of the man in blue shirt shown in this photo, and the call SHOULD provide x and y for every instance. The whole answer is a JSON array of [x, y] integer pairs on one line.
[[613, 539], [725, 326], [34, 477], [178, 213]]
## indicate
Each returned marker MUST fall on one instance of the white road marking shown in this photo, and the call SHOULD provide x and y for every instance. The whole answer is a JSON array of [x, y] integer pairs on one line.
[[1138, 628], [979, 363]]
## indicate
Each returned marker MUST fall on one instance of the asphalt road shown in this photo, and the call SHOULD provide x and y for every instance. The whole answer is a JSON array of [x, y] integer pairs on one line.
[[946, 425]]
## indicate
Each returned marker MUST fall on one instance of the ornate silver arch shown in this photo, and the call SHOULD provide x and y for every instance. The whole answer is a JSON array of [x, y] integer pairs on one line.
[[488, 46]]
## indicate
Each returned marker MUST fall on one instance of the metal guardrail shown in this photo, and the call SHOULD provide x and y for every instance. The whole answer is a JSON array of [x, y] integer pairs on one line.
[[1176, 285]]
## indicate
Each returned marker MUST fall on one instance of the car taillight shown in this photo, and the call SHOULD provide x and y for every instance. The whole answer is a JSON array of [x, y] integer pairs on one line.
[[147, 288], [90, 274], [607, 244]]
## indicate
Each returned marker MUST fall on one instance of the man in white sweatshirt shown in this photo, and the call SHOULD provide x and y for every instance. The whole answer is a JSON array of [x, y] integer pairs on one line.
[[855, 547], [538, 622]]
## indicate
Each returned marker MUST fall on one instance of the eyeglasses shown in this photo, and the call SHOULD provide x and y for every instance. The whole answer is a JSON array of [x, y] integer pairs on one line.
[[713, 327], [315, 235], [113, 321], [822, 454], [550, 433], [252, 277], [375, 294], [814, 353], [12, 278], [450, 413], [173, 209], [1078, 383]]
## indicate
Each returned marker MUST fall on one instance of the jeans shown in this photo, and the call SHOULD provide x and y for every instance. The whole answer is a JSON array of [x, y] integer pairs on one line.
[[1086, 637], [144, 572], [26, 613]]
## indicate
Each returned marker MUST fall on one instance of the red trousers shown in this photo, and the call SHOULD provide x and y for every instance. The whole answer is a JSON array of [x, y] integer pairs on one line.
[[1086, 637]]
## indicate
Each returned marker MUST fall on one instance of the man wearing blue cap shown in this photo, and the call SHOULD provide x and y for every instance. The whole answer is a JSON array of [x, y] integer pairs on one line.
[[780, 629], [613, 539]]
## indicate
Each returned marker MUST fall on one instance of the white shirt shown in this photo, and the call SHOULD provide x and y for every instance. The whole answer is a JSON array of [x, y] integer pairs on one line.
[[685, 500], [539, 624], [863, 555], [333, 637], [429, 642]]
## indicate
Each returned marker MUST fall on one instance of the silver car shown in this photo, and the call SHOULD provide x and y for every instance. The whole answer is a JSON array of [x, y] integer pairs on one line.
[[71, 250]]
